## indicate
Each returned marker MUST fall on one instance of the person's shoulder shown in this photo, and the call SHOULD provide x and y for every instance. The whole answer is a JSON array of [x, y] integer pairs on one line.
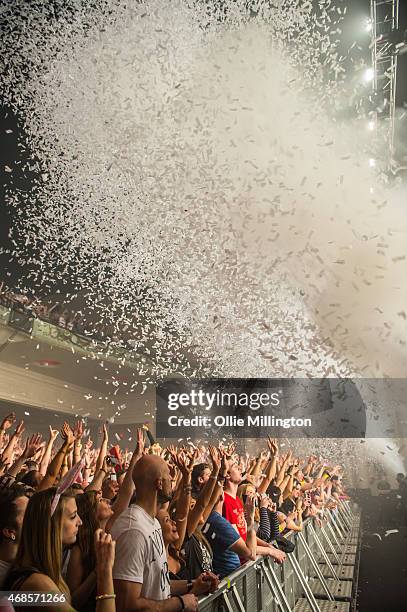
[[215, 519], [131, 523], [39, 582]]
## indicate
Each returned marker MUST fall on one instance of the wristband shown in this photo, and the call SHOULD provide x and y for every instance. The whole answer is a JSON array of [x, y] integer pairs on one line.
[[181, 600], [105, 596]]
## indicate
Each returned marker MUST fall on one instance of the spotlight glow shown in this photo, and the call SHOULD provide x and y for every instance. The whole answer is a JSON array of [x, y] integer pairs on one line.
[[368, 75], [371, 126], [372, 162], [368, 25]]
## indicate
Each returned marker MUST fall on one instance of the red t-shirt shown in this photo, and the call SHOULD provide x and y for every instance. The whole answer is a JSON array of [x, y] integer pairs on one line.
[[234, 513]]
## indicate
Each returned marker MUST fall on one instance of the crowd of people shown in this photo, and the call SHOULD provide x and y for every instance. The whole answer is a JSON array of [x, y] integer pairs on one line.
[[56, 313], [61, 315], [103, 528]]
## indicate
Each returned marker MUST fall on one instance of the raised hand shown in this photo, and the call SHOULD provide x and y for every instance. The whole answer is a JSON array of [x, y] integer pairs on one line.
[[230, 449], [53, 433], [67, 434], [4, 466], [32, 445], [140, 442], [104, 549], [20, 428], [8, 421], [78, 430], [249, 508], [185, 464], [215, 457], [173, 452]]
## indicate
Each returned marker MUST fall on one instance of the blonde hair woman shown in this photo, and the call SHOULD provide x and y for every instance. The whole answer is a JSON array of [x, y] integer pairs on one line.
[[51, 523]]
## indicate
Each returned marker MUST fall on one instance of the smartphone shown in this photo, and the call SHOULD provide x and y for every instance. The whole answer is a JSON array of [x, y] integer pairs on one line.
[[112, 460], [113, 476]]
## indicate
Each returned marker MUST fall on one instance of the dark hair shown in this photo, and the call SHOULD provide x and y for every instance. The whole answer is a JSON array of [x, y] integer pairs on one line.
[[31, 478], [87, 507], [76, 486], [8, 509], [274, 493], [197, 471]]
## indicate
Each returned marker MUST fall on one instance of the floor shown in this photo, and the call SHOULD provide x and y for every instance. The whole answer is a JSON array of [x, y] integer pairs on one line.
[[383, 562]]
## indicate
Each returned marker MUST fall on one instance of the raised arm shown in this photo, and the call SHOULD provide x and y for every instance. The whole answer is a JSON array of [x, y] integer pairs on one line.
[[206, 493], [271, 468], [103, 449], [32, 445], [127, 489], [9, 450], [55, 466], [6, 423], [77, 447], [53, 433]]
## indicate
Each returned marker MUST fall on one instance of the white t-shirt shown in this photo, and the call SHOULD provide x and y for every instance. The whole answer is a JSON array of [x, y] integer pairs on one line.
[[140, 553], [4, 568]]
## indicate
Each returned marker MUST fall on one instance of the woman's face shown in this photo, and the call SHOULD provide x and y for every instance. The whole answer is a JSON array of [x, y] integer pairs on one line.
[[70, 522], [104, 510], [168, 526]]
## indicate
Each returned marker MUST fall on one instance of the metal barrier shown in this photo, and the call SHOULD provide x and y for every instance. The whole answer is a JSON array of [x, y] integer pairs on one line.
[[317, 577]]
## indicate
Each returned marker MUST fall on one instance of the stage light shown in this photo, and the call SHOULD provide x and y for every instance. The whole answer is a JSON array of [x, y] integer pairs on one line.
[[368, 25], [372, 162], [371, 126], [368, 75]]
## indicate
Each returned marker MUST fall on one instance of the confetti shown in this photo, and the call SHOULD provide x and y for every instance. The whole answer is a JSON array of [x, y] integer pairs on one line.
[[205, 226]]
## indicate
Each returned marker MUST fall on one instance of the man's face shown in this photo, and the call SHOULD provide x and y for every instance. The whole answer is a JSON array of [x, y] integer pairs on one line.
[[235, 473], [165, 493], [204, 477]]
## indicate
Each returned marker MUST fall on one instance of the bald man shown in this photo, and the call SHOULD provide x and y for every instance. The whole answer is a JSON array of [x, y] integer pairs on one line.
[[140, 572]]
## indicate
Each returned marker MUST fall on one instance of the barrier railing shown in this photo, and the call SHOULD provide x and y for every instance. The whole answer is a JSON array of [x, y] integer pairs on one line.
[[316, 576]]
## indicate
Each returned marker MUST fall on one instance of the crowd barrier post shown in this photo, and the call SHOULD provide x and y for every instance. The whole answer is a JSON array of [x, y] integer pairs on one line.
[[333, 534], [275, 586], [323, 552], [336, 525], [345, 518], [330, 545], [303, 582], [315, 565], [345, 505], [344, 523]]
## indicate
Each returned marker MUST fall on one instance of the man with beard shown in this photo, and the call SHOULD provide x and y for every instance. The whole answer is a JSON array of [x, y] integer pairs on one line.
[[140, 572]]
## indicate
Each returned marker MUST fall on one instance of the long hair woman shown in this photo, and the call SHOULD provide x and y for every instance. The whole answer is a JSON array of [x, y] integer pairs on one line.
[[81, 577], [50, 523], [39, 557]]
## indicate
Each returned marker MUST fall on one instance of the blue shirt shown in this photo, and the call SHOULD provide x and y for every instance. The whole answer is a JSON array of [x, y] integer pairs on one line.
[[221, 536]]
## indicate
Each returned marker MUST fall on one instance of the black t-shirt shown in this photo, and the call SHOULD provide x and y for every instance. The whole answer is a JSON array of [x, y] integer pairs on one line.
[[198, 558]]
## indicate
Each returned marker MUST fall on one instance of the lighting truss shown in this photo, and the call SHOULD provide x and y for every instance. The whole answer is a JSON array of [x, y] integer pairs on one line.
[[385, 49]]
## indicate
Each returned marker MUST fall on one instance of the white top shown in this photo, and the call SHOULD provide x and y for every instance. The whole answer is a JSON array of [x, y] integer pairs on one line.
[[140, 553], [4, 568]]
